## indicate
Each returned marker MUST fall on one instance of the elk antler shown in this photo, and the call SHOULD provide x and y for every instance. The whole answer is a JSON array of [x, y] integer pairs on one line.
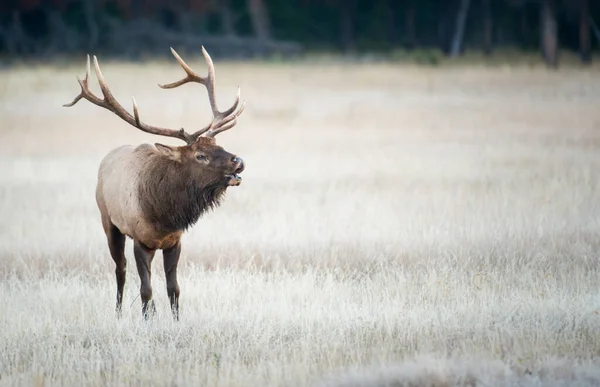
[[110, 103], [221, 121]]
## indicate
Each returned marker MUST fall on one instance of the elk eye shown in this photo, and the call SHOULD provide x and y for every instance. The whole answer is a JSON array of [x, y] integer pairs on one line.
[[201, 158]]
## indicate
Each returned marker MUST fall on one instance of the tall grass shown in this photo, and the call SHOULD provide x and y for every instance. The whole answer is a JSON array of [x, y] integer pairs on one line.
[[395, 225]]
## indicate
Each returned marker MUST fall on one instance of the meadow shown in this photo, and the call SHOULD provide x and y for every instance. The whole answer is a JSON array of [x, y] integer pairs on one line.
[[396, 225]]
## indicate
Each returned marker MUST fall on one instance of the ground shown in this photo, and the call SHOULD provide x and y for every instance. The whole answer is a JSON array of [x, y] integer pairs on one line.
[[396, 224]]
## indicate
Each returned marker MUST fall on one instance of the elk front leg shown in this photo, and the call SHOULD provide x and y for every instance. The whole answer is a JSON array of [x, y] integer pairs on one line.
[[116, 245], [171, 259], [143, 260]]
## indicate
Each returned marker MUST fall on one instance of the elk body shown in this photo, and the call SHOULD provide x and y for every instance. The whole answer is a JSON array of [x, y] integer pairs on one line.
[[153, 193]]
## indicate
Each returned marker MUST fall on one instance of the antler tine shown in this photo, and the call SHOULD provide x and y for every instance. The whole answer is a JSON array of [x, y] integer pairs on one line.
[[85, 92], [110, 103], [221, 120], [191, 75], [227, 124], [210, 83], [227, 117]]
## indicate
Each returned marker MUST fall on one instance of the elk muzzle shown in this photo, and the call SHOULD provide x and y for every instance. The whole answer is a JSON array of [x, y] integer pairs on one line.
[[235, 179]]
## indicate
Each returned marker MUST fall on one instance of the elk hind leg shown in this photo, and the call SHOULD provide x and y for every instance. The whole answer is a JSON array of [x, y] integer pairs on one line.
[[143, 260]]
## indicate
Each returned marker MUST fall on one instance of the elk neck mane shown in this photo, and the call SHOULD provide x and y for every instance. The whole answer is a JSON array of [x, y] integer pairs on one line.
[[171, 197]]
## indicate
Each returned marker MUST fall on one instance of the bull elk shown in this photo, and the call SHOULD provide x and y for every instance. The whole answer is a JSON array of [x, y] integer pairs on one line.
[[154, 193]]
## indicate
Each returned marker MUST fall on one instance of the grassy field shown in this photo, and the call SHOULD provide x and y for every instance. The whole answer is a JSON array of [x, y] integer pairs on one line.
[[396, 226]]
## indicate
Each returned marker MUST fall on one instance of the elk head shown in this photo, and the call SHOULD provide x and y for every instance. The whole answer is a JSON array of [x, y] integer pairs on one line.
[[201, 157]]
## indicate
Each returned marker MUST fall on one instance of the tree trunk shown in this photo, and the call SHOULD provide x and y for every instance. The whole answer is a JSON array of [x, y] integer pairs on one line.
[[390, 21], [410, 30], [549, 38], [488, 28], [89, 10], [227, 19], [524, 34], [61, 37], [16, 39], [135, 9], [585, 46], [461, 18], [443, 31], [596, 30], [260, 19], [348, 13]]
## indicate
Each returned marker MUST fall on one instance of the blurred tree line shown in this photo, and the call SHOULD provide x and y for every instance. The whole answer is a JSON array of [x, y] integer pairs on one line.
[[245, 28]]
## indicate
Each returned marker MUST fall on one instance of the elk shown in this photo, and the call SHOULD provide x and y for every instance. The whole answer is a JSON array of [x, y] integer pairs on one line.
[[153, 193]]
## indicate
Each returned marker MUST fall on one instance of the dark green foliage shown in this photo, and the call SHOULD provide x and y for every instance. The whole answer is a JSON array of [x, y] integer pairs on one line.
[[378, 26]]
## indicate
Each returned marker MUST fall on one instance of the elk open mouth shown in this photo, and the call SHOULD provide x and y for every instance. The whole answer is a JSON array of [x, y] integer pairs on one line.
[[234, 179]]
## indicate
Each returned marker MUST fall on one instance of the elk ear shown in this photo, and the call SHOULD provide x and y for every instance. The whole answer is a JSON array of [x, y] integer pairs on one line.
[[169, 151]]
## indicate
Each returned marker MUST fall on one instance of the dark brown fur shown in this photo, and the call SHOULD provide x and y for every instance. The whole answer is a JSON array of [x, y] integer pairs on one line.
[[177, 193]]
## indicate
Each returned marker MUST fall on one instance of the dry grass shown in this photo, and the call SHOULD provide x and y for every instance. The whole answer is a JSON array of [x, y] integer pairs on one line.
[[396, 226]]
